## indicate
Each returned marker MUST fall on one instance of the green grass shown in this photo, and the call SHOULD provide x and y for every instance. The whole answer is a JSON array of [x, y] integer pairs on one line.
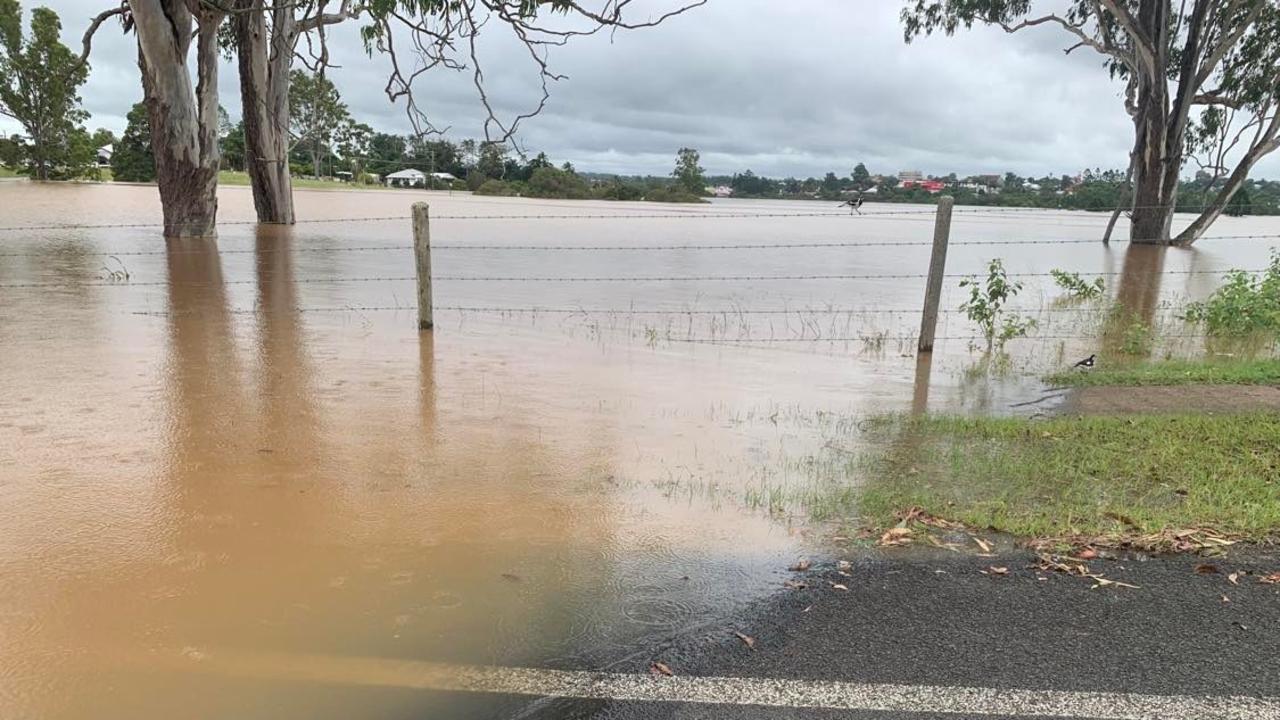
[[235, 177], [1264, 371], [6, 172], [1075, 476]]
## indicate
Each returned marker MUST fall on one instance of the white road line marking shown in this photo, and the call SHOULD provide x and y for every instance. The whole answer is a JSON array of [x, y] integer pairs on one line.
[[762, 692]]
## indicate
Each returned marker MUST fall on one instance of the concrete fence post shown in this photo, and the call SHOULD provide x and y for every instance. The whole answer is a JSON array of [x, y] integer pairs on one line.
[[422, 255], [937, 268]]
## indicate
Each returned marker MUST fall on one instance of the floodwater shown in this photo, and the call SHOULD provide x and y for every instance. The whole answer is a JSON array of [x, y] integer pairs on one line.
[[247, 449]]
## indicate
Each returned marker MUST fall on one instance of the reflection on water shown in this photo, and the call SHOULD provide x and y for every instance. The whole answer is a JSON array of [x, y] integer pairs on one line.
[[209, 463]]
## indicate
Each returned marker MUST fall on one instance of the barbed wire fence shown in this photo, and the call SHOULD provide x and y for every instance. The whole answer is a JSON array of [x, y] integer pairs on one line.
[[981, 213]]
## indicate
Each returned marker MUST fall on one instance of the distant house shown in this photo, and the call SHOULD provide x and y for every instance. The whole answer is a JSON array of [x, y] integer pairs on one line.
[[104, 155], [933, 187], [406, 178], [720, 191]]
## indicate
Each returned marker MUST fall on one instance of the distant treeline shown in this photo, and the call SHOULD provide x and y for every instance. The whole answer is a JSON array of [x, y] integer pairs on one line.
[[1092, 190]]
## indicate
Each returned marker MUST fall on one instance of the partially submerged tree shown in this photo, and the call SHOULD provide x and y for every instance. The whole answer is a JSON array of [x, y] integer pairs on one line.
[[39, 84], [183, 117], [416, 36], [688, 173], [1201, 79]]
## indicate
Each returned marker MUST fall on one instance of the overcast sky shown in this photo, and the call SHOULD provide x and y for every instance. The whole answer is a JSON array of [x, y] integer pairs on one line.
[[782, 88]]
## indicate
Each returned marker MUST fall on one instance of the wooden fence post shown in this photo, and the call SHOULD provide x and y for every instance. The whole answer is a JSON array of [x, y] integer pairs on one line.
[[937, 267], [422, 254]]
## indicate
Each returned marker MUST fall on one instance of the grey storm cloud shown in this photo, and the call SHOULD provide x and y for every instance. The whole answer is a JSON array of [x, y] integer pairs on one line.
[[782, 88]]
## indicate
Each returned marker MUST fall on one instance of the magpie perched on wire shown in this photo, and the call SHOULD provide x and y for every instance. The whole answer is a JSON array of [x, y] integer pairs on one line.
[[1087, 363], [853, 203]]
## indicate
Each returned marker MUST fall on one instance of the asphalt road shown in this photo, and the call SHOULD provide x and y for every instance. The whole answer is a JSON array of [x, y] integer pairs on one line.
[[936, 621]]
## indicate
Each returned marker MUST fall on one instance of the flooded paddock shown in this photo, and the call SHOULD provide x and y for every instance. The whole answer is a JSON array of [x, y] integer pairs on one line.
[[247, 449]]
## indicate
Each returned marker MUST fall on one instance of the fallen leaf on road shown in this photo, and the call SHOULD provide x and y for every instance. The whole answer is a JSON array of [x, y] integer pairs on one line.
[[747, 640], [896, 536], [800, 565], [1206, 569], [1234, 578], [807, 609], [1087, 554], [844, 565], [995, 570], [986, 546], [1226, 599], [1103, 582], [657, 668], [1272, 579], [842, 573], [795, 584], [838, 586]]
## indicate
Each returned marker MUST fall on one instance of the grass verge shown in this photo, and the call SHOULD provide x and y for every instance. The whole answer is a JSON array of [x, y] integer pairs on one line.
[[235, 177], [1177, 372], [1112, 480]]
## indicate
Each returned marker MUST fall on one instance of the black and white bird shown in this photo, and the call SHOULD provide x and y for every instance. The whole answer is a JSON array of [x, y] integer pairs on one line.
[[1087, 363], [853, 203]]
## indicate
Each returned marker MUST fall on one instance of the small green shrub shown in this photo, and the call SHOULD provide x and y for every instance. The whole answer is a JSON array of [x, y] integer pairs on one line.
[[671, 194], [496, 187], [985, 306], [1077, 286], [1244, 305]]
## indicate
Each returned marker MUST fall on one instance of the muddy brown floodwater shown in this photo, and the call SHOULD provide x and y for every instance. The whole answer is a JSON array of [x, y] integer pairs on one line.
[[247, 447]]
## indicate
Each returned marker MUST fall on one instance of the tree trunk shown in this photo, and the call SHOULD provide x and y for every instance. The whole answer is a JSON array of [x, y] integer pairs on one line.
[[184, 121], [1156, 163], [264, 59]]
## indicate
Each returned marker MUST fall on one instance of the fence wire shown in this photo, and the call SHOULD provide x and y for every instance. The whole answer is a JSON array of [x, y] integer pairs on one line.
[[570, 279]]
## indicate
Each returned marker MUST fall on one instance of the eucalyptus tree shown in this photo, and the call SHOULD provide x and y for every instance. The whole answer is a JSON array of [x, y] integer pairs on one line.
[[183, 116], [1202, 83], [415, 37]]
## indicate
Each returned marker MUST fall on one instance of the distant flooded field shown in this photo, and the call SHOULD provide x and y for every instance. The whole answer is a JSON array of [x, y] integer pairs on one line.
[[247, 446]]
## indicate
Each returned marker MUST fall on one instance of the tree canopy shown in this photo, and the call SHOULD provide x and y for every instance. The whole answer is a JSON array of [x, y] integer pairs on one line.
[[39, 87], [133, 159], [1200, 76]]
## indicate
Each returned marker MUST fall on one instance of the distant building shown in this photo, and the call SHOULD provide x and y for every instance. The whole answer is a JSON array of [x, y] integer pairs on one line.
[[933, 187], [104, 155], [907, 176], [720, 191], [406, 178]]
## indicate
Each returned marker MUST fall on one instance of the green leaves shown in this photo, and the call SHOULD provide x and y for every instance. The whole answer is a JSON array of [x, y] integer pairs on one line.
[[1244, 305], [39, 83], [985, 306]]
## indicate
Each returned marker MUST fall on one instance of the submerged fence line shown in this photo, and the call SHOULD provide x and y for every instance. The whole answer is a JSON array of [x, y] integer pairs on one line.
[[586, 311], [969, 210], [578, 279], [621, 248]]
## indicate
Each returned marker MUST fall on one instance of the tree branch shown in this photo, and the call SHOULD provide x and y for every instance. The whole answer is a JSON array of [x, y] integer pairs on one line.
[[87, 40], [1144, 50]]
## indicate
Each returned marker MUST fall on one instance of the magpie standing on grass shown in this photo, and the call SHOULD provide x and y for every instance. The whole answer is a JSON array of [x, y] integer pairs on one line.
[[1087, 363]]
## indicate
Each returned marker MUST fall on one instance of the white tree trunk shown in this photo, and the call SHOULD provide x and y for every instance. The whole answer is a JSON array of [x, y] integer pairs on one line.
[[184, 120], [265, 57]]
